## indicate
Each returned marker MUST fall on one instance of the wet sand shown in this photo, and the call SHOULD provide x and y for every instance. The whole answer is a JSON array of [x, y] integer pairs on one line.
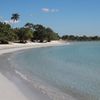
[[12, 86]]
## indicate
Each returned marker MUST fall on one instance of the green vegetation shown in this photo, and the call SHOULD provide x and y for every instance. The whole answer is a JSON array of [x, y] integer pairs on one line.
[[6, 33], [34, 33], [28, 32], [80, 38], [42, 34], [15, 17], [23, 34]]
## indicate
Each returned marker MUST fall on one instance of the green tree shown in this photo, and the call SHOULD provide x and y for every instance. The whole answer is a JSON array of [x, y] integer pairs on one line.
[[6, 33], [24, 34], [29, 25], [81, 38], [39, 33], [51, 35], [15, 17]]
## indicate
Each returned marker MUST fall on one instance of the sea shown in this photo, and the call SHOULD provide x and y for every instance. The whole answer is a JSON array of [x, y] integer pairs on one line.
[[62, 72]]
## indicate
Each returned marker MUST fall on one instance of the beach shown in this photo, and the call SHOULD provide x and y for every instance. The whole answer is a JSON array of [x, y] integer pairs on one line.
[[45, 71], [9, 89], [17, 46]]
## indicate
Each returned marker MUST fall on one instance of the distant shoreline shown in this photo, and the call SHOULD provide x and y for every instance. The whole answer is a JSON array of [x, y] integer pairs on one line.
[[80, 38]]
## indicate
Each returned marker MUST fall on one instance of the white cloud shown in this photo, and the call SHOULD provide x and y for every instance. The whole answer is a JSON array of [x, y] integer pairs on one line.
[[54, 10], [46, 10], [11, 21], [7, 22]]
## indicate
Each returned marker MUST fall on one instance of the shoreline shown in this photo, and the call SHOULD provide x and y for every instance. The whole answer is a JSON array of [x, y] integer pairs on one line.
[[8, 48], [7, 84]]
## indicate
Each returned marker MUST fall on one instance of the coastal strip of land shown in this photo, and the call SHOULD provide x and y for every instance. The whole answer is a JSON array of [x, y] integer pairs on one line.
[[17, 46]]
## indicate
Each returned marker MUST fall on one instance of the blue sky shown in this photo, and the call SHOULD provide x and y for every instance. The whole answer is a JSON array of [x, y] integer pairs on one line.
[[76, 17]]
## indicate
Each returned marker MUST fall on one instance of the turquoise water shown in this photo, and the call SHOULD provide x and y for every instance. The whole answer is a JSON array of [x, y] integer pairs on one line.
[[74, 68]]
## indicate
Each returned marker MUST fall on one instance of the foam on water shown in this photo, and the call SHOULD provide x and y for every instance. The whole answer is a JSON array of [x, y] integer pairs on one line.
[[51, 92]]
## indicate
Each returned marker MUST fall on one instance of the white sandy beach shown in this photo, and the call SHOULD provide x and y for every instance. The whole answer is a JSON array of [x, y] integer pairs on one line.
[[8, 90], [17, 46]]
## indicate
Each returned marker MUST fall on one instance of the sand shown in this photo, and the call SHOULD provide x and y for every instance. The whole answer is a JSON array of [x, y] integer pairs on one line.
[[8, 90], [17, 46]]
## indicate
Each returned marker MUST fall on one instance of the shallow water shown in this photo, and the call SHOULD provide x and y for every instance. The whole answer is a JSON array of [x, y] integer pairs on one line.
[[57, 71]]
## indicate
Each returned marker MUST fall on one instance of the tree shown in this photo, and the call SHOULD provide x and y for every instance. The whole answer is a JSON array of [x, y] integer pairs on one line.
[[81, 38], [39, 33], [6, 33], [51, 35], [24, 34], [29, 25], [15, 17]]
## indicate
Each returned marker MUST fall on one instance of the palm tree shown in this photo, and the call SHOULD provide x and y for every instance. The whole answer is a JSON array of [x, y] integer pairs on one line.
[[15, 17]]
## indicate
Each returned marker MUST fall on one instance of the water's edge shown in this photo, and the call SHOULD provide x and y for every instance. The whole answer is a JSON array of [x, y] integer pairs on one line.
[[9, 72], [22, 82]]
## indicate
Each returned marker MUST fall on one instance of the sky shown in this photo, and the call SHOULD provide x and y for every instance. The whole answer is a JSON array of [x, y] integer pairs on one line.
[[73, 17]]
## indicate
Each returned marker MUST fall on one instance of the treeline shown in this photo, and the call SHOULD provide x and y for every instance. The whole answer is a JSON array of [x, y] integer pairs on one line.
[[34, 33], [28, 32], [80, 38]]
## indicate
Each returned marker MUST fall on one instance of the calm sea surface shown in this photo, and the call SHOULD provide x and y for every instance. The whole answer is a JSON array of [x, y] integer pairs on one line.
[[73, 69]]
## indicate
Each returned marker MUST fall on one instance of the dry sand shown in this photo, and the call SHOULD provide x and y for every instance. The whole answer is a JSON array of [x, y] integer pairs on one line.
[[16, 46]]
